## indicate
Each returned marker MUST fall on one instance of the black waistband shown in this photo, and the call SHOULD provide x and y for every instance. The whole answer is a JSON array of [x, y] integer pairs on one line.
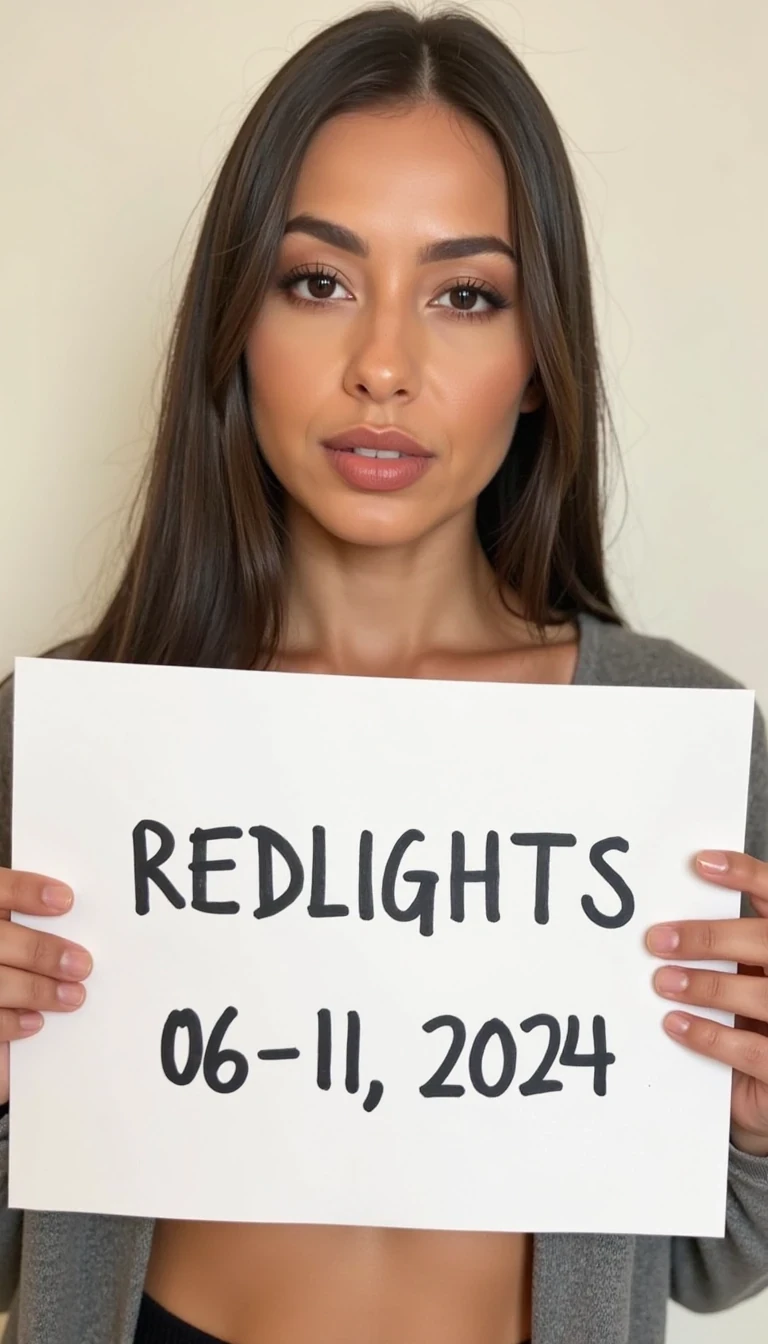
[[158, 1326]]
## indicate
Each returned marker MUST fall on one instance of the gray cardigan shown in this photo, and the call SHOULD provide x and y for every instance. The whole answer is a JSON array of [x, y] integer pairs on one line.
[[74, 1278]]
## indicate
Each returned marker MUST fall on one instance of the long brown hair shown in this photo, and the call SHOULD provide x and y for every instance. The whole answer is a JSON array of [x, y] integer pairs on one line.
[[204, 582]]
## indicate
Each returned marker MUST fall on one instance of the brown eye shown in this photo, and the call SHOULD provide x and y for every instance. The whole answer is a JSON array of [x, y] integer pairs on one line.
[[320, 283], [320, 286], [468, 295]]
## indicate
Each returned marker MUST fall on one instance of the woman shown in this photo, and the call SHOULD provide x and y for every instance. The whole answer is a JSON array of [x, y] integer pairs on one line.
[[378, 453]]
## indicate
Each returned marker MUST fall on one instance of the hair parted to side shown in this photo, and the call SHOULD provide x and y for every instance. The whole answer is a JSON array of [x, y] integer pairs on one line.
[[203, 584]]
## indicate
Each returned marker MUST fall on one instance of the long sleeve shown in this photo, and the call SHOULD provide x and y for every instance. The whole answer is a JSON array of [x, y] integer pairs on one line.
[[712, 1273], [10, 1219]]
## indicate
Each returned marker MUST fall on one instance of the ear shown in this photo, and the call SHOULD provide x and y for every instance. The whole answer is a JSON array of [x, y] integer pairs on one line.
[[533, 396]]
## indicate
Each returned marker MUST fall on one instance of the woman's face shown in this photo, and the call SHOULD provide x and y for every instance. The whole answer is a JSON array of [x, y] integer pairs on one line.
[[391, 339]]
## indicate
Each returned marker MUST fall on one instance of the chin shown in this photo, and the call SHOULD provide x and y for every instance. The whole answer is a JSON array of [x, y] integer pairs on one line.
[[376, 523]]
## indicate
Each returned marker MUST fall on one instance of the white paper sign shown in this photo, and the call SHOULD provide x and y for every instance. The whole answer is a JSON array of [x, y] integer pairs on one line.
[[371, 951]]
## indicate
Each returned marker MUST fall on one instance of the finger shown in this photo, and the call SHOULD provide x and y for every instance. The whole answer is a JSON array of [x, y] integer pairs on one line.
[[22, 989], [32, 894], [17, 1026], [744, 995], [711, 940], [742, 1050], [730, 869], [44, 953]]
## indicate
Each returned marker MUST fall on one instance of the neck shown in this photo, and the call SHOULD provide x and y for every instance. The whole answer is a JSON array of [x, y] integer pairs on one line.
[[382, 609]]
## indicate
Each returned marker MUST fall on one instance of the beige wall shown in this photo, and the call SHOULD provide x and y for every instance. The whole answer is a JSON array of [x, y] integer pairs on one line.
[[115, 118]]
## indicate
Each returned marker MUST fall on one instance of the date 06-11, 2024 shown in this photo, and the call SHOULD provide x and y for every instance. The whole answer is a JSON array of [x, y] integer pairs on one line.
[[226, 1070]]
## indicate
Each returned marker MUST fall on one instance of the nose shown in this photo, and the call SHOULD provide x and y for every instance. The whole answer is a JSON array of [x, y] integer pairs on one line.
[[384, 357]]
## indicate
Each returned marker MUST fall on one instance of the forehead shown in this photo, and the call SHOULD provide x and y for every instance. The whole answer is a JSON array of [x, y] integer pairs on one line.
[[423, 170]]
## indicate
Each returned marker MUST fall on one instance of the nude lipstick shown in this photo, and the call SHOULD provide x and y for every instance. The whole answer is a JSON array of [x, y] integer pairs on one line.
[[377, 459]]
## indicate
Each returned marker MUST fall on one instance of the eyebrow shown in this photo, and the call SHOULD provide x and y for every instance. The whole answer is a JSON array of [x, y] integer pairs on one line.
[[443, 249]]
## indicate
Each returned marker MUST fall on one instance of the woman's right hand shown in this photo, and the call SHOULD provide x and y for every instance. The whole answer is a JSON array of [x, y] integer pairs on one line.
[[39, 972]]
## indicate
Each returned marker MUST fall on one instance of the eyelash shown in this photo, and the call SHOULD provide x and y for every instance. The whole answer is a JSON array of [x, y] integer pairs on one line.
[[310, 271]]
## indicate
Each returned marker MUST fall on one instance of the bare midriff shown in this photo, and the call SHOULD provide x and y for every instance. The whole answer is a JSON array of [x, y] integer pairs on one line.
[[288, 1284]]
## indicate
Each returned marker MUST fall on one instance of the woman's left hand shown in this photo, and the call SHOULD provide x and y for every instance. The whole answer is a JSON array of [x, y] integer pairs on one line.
[[744, 1046]]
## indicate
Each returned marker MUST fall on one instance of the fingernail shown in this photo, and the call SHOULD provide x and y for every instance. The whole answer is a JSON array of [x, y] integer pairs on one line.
[[663, 938], [29, 1022], [677, 1024], [57, 898], [76, 962], [71, 995], [670, 980], [713, 861]]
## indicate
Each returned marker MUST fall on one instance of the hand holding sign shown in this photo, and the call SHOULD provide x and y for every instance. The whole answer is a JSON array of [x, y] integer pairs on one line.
[[401, 977], [743, 1047], [39, 972]]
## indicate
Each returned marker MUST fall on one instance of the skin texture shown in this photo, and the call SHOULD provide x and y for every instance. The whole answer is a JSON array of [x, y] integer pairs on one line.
[[396, 584]]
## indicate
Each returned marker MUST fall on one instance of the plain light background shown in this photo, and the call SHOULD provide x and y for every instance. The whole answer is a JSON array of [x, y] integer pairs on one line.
[[113, 122]]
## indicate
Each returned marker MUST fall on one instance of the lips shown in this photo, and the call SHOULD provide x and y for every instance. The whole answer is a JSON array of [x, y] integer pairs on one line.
[[365, 471], [388, 440]]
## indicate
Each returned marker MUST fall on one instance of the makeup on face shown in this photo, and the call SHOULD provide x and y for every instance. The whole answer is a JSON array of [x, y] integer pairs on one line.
[[377, 458], [397, 311]]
